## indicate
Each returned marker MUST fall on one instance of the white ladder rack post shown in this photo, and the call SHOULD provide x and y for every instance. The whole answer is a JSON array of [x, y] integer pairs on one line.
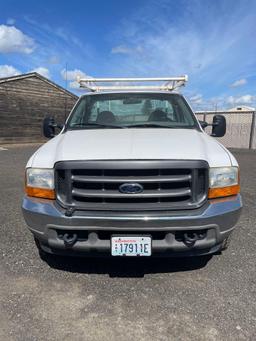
[[166, 83]]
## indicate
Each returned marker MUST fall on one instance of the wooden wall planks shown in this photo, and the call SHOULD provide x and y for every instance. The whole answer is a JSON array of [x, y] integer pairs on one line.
[[23, 105]]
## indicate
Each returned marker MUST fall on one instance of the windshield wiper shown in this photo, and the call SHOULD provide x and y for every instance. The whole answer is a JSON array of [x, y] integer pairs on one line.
[[149, 125], [84, 125]]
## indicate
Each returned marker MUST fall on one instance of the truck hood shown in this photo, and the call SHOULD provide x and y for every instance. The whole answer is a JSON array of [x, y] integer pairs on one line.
[[131, 144]]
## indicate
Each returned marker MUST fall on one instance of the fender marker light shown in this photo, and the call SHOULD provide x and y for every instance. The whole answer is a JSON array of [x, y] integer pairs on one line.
[[40, 183], [223, 192]]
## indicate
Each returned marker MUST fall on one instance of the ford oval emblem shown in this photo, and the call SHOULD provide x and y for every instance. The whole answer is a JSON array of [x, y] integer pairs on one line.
[[130, 188]]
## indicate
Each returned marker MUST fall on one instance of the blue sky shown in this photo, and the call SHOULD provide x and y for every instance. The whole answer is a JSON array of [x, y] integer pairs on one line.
[[213, 41]]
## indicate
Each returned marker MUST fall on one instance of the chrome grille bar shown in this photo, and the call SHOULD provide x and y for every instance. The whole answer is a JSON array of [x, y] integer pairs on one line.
[[174, 178], [144, 194]]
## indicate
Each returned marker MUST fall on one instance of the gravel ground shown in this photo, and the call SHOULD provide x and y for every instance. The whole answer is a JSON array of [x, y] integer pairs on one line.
[[158, 299]]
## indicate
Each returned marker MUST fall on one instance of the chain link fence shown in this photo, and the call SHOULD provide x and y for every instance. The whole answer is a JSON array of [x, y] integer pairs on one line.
[[241, 127]]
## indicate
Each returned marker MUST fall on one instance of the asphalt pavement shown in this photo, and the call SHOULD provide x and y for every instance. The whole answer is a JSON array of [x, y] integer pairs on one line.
[[211, 298]]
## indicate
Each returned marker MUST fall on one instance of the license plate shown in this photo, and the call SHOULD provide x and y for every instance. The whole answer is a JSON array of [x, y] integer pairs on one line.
[[130, 246]]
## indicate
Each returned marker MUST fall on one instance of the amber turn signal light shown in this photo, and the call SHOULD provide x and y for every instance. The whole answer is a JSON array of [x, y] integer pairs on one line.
[[40, 192], [223, 191]]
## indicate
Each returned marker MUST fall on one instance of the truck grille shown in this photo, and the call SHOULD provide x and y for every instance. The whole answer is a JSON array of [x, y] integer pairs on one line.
[[95, 185]]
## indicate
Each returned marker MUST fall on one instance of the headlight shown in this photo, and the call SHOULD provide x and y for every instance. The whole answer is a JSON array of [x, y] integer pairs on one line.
[[222, 177], [223, 181], [40, 183]]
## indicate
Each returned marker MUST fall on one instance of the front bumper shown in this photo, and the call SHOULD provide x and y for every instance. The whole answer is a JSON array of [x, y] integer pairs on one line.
[[47, 221]]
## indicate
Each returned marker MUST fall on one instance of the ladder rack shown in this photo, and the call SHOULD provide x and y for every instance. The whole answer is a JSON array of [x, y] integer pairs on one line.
[[164, 83]]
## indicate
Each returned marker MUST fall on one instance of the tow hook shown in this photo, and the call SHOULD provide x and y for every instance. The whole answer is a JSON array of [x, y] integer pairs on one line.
[[69, 239], [190, 238]]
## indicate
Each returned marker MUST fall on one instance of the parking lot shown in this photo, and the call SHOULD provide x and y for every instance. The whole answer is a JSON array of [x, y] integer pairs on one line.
[[210, 298]]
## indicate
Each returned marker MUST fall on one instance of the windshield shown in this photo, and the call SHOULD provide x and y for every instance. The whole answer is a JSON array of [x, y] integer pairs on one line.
[[130, 110]]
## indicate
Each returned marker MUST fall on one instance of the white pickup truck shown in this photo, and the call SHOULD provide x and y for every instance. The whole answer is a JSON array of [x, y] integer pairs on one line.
[[132, 173]]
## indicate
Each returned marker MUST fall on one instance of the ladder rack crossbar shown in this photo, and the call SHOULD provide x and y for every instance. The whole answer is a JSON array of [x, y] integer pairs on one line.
[[167, 83]]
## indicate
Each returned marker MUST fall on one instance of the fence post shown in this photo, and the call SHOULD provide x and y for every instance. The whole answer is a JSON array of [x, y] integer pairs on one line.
[[252, 131]]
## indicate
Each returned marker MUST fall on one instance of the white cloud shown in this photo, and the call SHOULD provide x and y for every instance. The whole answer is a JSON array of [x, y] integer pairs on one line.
[[239, 82], [68, 37], [8, 71], [60, 32], [245, 99], [42, 71], [72, 75], [10, 21], [176, 44], [54, 60], [123, 49], [120, 49], [196, 99], [74, 85], [13, 40]]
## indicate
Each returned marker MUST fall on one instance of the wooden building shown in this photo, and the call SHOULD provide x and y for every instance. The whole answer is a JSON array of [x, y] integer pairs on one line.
[[24, 101]]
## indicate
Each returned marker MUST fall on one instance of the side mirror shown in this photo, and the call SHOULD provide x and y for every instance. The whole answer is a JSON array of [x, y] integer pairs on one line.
[[49, 127], [218, 126], [203, 124]]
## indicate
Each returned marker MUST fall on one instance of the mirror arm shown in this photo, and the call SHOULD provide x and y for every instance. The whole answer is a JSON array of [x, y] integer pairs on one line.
[[212, 124], [55, 125], [203, 124]]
